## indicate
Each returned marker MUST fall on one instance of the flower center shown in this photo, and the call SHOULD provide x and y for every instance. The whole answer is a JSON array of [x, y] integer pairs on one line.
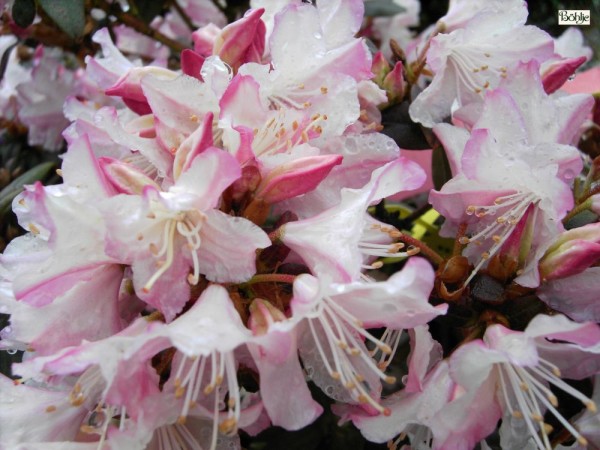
[[510, 210], [186, 227], [473, 70]]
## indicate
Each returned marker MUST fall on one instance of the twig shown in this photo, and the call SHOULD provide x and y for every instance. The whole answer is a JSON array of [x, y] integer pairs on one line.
[[139, 26]]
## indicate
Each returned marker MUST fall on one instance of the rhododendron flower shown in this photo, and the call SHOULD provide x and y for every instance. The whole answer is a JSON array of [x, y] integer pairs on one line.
[[512, 172], [179, 229], [470, 60]]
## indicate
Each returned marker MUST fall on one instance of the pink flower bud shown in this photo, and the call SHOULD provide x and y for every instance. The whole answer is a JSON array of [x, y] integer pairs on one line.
[[393, 83], [191, 63], [296, 177], [262, 315], [196, 143], [129, 87], [126, 178], [573, 252], [559, 72], [380, 67]]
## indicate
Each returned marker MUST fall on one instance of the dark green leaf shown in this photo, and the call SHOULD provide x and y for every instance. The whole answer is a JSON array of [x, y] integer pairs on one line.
[[69, 15], [16, 186], [440, 167], [23, 12], [382, 8], [148, 9]]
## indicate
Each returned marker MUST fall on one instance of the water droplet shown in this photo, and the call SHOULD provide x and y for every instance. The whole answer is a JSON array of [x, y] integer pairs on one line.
[[329, 390], [572, 77], [569, 174], [11, 351], [318, 35]]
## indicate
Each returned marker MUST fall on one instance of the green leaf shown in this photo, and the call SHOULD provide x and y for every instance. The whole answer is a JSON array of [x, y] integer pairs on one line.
[[148, 9], [23, 12], [16, 186], [69, 15], [382, 8]]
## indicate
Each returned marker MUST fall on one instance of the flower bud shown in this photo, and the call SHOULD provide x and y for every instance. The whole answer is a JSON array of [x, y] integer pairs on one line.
[[380, 68], [393, 83], [127, 179], [262, 315], [573, 252]]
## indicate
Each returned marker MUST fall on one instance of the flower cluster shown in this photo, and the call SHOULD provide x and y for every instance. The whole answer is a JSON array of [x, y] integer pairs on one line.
[[220, 244]]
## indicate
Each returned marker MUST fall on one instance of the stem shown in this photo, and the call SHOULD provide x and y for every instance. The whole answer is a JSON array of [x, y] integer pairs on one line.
[[427, 251], [271, 278], [140, 26], [457, 249], [184, 16], [578, 209]]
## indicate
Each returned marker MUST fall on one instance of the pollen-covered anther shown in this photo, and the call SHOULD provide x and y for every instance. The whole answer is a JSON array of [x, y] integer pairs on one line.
[[192, 279], [377, 265], [335, 375], [50, 408], [228, 426], [517, 414], [181, 420], [194, 118], [547, 427], [411, 251], [35, 230], [591, 406], [470, 210], [324, 90], [464, 240], [307, 104], [390, 380], [486, 85]]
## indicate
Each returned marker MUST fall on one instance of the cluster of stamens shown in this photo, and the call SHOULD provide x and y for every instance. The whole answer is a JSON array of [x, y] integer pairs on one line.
[[471, 68], [217, 367], [528, 388], [182, 224], [510, 209], [279, 136], [344, 334], [388, 250]]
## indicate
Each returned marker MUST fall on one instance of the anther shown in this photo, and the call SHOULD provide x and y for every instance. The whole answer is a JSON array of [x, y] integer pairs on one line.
[[228, 426], [50, 409], [591, 406], [470, 210], [464, 240], [335, 375], [323, 90], [411, 251], [390, 380], [33, 229]]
